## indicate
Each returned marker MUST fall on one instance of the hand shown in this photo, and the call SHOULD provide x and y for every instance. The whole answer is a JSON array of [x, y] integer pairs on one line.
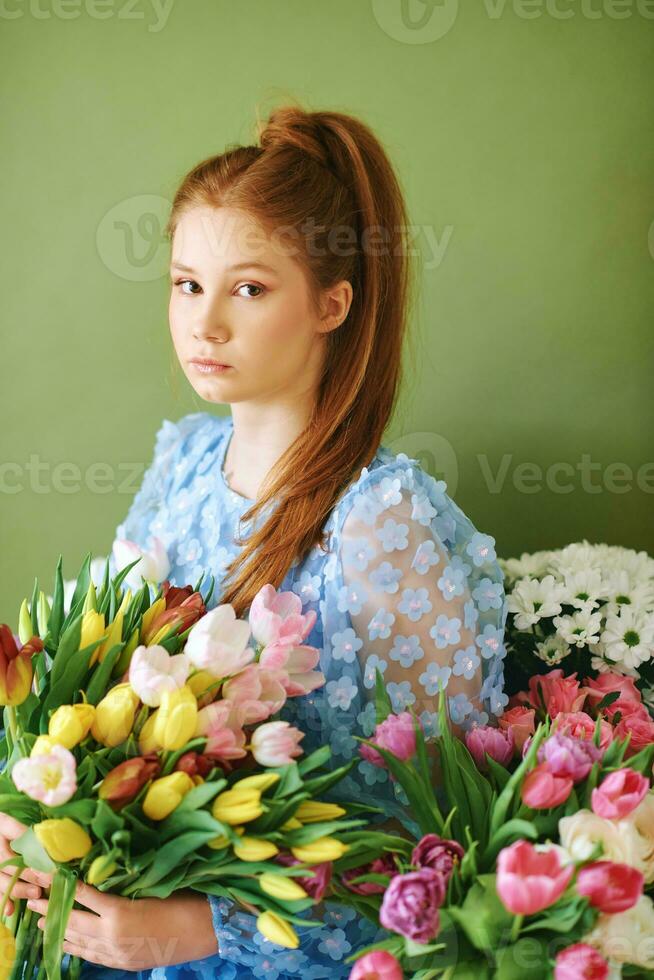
[[138, 933], [27, 885]]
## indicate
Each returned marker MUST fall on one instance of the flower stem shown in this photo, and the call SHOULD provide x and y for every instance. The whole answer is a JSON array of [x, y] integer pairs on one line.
[[12, 882], [13, 724], [515, 928]]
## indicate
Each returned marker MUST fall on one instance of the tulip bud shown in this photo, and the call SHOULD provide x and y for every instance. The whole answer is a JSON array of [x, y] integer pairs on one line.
[[90, 602], [261, 781], [281, 886], [291, 824], [195, 764], [122, 664], [16, 671], [217, 843], [199, 682], [114, 636], [101, 868], [25, 630], [114, 715], [323, 849], [149, 616], [126, 780], [71, 723], [147, 740], [313, 811], [176, 718], [165, 794], [92, 629], [254, 849], [43, 745], [277, 930], [42, 614], [237, 806], [63, 839]]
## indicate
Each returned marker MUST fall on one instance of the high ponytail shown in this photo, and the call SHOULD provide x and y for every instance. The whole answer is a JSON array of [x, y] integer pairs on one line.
[[324, 171]]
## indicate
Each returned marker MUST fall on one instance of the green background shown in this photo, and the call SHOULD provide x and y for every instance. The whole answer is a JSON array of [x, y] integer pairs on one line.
[[523, 140]]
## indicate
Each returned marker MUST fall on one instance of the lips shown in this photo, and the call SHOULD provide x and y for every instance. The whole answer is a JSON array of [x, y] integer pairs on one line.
[[209, 362]]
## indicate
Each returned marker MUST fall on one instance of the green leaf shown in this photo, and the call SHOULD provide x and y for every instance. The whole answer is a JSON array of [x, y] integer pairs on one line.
[[57, 612], [512, 830], [60, 903], [83, 582], [169, 856], [506, 797], [101, 676], [383, 706], [33, 852]]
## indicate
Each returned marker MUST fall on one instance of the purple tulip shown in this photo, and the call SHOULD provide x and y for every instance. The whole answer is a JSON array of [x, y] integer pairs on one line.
[[384, 865], [411, 903], [397, 735], [568, 756], [438, 854], [499, 744]]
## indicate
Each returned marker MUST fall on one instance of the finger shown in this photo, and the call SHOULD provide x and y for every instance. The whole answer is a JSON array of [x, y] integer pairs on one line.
[[10, 827], [27, 874], [20, 889], [100, 902], [89, 953], [79, 925]]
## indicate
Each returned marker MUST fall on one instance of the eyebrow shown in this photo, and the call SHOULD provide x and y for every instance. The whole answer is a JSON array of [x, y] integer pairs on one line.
[[232, 268]]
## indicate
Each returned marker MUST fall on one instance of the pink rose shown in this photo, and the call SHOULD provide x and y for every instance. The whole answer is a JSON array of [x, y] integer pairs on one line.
[[580, 962], [560, 693], [627, 709], [597, 688], [378, 965], [397, 735], [581, 725], [529, 880], [498, 743], [542, 789], [610, 887], [522, 723], [640, 729], [618, 794]]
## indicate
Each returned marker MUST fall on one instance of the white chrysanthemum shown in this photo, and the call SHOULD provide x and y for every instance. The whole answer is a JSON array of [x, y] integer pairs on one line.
[[604, 667], [584, 589], [534, 599], [580, 628], [553, 650], [152, 670], [526, 566], [577, 557], [629, 637]]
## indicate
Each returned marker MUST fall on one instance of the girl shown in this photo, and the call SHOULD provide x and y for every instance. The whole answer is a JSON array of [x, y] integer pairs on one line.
[[289, 269]]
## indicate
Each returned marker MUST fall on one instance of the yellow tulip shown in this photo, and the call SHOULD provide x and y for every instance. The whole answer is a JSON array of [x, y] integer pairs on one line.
[[281, 886], [165, 794], [43, 745], [7, 951], [323, 849], [92, 629], [91, 600], [277, 930], [217, 843], [71, 723], [262, 781], [25, 631], [114, 636], [254, 849], [176, 718], [63, 839], [312, 811], [200, 681], [291, 824], [151, 614], [114, 715], [147, 741], [237, 806], [101, 868]]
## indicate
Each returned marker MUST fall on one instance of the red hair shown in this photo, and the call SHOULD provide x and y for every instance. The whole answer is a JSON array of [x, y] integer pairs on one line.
[[329, 169]]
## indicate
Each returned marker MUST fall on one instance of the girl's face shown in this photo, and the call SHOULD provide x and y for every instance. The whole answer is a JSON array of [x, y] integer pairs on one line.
[[242, 299]]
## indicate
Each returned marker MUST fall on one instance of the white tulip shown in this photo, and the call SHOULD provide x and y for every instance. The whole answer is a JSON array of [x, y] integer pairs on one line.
[[152, 670]]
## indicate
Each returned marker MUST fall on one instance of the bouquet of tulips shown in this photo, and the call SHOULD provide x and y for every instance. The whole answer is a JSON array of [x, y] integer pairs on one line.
[[142, 755], [536, 854], [587, 607]]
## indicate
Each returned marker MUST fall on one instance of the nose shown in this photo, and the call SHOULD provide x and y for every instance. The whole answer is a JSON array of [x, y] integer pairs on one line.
[[209, 323]]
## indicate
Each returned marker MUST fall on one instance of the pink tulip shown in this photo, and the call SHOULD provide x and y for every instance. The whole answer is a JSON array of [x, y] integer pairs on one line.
[[397, 735], [277, 617], [561, 693], [318, 883], [580, 962], [218, 643], [297, 663], [276, 743], [618, 794], [568, 756], [529, 880], [610, 887], [378, 965], [259, 693], [225, 740], [496, 742], [542, 789], [438, 853], [578, 724], [521, 721], [598, 687]]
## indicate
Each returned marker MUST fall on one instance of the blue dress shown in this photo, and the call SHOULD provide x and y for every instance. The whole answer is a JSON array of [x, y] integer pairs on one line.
[[407, 584]]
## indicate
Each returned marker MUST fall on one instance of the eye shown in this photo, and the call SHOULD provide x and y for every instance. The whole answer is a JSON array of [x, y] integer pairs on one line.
[[181, 282], [252, 285]]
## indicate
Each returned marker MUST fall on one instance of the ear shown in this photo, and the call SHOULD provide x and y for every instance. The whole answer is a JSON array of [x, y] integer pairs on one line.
[[336, 302]]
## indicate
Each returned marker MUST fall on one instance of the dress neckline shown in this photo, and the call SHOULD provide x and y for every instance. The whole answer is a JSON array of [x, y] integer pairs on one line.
[[221, 463]]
